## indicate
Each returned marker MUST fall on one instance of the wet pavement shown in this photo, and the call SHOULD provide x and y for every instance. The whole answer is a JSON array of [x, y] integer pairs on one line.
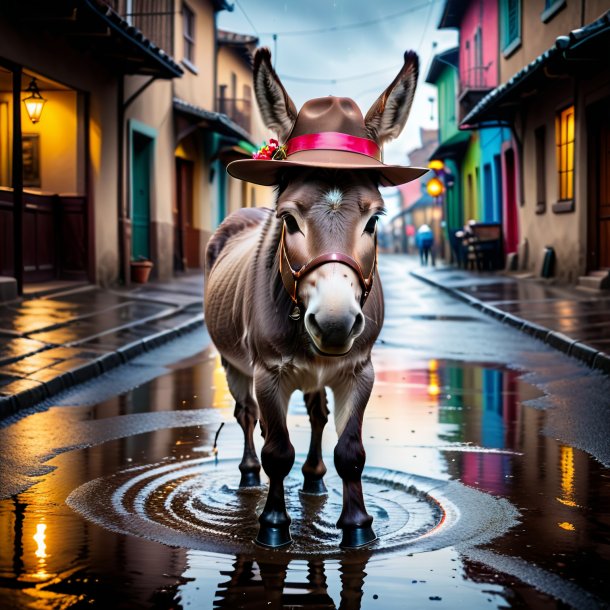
[[576, 321], [488, 475], [52, 342]]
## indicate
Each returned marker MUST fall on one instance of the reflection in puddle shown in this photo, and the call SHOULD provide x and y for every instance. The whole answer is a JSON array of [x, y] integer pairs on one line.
[[451, 421]]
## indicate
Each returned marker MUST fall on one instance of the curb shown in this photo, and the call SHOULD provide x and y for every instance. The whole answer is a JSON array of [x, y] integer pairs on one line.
[[28, 398], [593, 358]]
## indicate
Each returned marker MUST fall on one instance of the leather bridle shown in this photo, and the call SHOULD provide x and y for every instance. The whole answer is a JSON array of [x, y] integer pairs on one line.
[[290, 276]]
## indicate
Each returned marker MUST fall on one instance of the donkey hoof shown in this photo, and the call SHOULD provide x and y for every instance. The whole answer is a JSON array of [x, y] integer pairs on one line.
[[274, 537], [250, 479], [356, 537], [314, 487]]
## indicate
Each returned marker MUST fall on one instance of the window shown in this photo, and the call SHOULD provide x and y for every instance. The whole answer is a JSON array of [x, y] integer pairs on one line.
[[564, 141], [551, 8], [188, 24], [511, 25], [539, 142]]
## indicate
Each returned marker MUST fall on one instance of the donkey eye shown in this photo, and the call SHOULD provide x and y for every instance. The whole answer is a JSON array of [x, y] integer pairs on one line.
[[371, 224], [292, 226]]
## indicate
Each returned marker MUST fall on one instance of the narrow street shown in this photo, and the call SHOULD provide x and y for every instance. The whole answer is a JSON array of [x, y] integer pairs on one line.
[[487, 475]]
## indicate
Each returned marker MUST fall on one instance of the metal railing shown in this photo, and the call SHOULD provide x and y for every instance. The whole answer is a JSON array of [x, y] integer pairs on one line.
[[238, 110], [476, 78], [154, 18]]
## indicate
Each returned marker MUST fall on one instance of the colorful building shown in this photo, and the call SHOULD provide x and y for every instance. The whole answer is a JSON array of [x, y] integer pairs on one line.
[[483, 179], [554, 97], [443, 73]]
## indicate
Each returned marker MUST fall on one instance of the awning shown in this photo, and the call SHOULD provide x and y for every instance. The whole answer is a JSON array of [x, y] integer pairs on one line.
[[581, 51], [453, 147], [94, 27], [217, 122]]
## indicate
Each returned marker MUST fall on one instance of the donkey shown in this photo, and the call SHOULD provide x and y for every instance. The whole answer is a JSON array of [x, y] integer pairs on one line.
[[291, 297]]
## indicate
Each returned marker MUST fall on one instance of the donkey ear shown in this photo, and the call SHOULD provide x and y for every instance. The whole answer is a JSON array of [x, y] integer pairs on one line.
[[388, 115], [277, 109]]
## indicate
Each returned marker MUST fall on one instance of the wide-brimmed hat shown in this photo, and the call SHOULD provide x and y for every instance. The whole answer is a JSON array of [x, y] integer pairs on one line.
[[329, 133]]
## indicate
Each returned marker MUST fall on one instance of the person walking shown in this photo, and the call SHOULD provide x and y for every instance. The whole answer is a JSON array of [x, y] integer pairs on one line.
[[424, 239]]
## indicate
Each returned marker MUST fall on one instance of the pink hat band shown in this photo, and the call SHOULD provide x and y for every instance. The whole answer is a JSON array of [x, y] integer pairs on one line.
[[333, 140]]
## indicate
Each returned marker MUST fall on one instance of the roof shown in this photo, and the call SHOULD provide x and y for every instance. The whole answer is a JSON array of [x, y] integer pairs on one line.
[[452, 147], [440, 62], [94, 27], [233, 38], [569, 54], [243, 44], [453, 11], [214, 121]]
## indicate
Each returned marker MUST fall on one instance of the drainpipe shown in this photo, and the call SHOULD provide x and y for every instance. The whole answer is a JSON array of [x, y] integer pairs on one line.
[[124, 220]]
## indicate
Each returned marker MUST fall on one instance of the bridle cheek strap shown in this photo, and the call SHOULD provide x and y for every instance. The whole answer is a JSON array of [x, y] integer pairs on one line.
[[290, 277]]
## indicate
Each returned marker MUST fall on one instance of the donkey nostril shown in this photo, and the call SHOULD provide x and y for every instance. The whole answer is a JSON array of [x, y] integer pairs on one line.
[[358, 324], [313, 324]]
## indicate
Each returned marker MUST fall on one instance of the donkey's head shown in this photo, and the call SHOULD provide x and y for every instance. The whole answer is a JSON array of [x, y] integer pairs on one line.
[[329, 200]]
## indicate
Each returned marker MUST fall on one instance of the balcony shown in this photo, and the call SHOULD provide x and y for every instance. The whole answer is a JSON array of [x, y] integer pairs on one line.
[[475, 84], [155, 21], [239, 110]]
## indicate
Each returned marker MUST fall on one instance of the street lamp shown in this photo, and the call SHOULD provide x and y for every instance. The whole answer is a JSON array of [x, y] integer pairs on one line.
[[34, 103], [434, 187], [436, 164]]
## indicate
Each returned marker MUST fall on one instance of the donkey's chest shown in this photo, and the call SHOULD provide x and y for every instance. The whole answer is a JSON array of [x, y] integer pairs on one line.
[[312, 376]]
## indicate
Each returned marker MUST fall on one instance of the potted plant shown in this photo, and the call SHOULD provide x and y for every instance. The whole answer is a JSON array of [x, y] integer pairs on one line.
[[140, 270]]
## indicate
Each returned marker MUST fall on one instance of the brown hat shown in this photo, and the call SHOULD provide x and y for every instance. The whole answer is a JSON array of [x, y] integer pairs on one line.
[[329, 132]]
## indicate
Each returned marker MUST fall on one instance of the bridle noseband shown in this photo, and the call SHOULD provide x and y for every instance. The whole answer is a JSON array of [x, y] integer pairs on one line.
[[290, 276]]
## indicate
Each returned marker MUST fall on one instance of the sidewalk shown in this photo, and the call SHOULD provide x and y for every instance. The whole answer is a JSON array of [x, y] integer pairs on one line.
[[577, 322], [53, 342]]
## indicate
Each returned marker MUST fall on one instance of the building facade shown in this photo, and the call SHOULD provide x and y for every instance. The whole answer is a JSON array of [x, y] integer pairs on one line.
[[554, 97], [127, 159], [484, 170]]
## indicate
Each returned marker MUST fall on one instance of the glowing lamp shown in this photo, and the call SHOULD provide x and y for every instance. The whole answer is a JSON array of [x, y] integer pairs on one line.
[[436, 164], [34, 103], [434, 187]]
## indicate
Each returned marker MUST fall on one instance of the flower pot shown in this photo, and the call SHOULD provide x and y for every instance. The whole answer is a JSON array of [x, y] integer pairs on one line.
[[140, 271]]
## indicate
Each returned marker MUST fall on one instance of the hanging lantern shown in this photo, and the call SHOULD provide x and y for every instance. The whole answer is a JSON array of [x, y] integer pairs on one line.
[[436, 164], [34, 103], [434, 187]]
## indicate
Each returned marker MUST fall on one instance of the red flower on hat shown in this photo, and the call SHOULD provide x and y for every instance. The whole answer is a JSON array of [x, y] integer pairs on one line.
[[273, 150]]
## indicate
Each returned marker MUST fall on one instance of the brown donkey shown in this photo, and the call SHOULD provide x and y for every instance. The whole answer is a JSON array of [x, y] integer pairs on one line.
[[291, 298]]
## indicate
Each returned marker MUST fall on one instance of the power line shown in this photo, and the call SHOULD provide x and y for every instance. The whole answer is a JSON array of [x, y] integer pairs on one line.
[[349, 26], [334, 81], [241, 8]]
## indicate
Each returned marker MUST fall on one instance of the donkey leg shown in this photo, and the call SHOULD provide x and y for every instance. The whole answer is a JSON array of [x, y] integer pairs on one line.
[[246, 414], [351, 398], [314, 468], [277, 457]]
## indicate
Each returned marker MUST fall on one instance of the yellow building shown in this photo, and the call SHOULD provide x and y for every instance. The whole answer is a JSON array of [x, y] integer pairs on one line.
[[127, 158]]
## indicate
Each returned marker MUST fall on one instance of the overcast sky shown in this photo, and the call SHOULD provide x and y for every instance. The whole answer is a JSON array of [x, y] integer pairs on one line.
[[358, 54]]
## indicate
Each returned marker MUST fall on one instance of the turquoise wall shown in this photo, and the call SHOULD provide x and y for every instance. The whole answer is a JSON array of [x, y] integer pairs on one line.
[[490, 184]]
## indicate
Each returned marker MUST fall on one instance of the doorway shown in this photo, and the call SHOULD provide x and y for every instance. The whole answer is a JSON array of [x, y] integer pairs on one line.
[[141, 170], [510, 228], [598, 250], [186, 236]]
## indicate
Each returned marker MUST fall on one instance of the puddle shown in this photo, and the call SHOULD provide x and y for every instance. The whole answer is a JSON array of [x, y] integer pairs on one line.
[[197, 504], [473, 504]]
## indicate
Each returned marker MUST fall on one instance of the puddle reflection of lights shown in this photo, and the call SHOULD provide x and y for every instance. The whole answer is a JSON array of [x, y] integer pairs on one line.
[[222, 396], [433, 385], [41, 549], [567, 526], [568, 496]]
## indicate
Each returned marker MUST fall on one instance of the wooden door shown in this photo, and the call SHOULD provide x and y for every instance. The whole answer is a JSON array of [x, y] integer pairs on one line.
[[511, 231], [186, 236], [603, 198]]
